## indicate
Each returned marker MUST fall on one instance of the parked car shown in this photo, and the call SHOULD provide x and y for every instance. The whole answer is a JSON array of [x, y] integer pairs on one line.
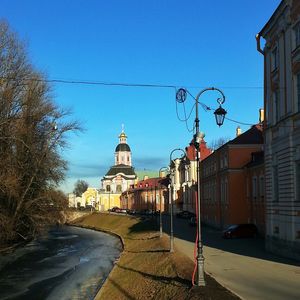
[[115, 209], [240, 231], [147, 212], [193, 221], [185, 214]]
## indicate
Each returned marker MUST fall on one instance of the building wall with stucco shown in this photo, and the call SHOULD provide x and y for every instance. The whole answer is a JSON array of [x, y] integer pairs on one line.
[[282, 128]]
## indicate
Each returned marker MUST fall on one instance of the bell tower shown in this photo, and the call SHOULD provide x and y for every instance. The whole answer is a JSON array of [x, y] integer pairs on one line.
[[123, 152]]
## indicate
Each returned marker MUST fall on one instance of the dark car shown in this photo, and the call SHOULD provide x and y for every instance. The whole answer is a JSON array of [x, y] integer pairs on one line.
[[185, 214], [240, 231], [115, 209]]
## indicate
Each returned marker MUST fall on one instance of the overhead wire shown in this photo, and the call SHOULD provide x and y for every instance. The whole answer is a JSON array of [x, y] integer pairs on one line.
[[124, 84]]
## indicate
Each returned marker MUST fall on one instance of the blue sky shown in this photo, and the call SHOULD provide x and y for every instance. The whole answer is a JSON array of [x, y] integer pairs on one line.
[[194, 44]]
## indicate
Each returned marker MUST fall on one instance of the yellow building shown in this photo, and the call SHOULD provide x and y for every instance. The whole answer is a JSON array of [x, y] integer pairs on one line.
[[90, 197], [119, 177], [108, 201]]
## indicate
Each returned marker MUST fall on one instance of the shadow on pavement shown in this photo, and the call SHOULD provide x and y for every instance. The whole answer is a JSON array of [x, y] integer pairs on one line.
[[252, 247]]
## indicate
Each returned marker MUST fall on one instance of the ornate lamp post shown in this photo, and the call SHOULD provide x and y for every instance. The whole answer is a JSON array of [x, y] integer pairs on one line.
[[172, 176], [160, 203], [198, 137]]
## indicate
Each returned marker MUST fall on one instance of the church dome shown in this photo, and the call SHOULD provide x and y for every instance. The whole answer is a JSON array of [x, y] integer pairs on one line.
[[122, 147]]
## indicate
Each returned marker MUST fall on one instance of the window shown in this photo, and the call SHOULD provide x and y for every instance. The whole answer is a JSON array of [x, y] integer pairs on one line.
[[225, 161], [276, 230], [254, 187], [298, 91], [108, 188], [261, 186], [247, 188], [297, 35], [274, 59], [275, 183], [119, 188], [298, 181], [276, 105]]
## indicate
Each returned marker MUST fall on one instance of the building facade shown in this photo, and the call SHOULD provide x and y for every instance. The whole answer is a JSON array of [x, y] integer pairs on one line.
[[119, 177], [255, 191], [223, 184], [184, 177], [150, 194], [282, 128]]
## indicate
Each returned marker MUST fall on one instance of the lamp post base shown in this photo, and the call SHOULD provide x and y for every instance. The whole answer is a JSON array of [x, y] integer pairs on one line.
[[200, 272]]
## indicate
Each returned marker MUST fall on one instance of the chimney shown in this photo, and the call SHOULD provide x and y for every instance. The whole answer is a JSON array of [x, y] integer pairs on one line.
[[261, 115], [238, 131]]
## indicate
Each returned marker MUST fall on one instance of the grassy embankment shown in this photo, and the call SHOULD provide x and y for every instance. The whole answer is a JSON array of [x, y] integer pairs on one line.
[[146, 270]]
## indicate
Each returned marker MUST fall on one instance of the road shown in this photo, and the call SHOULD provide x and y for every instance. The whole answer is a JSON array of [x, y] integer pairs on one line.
[[241, 265]]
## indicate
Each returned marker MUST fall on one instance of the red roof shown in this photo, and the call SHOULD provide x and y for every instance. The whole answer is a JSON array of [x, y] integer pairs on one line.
[[151, 183], [191, 152]]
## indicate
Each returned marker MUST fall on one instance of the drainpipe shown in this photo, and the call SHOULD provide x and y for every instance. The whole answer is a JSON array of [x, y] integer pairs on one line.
[[258, 47]]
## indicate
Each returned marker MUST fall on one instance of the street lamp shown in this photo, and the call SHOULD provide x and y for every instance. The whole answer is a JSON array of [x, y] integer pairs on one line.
[[147, 185], [172, 175], [198, 137], [160, 202]]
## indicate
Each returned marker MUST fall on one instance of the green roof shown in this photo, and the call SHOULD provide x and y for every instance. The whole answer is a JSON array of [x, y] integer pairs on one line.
[[124, 169], [150, 173]]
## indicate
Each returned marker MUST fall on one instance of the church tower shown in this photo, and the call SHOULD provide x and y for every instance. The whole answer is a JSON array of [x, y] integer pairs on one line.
[[121, 175], [123, 152]]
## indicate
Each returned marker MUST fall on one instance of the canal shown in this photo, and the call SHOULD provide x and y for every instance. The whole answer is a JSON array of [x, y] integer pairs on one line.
[[66, 263]]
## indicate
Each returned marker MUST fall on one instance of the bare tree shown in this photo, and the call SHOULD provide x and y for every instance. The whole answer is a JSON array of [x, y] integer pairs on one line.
[[32, 135], [217, 143], [80, 187]]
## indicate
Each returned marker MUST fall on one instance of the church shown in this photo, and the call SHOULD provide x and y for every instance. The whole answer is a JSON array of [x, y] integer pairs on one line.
[[119, 177]]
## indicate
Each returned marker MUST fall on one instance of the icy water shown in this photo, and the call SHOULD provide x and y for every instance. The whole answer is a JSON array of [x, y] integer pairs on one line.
[[66, 263]]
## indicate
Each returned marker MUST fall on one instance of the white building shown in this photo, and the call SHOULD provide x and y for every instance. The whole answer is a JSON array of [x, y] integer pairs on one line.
[[282, 128], [120, 176]]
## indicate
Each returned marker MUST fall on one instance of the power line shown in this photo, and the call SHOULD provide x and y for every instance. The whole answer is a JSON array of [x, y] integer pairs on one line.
[[125, 84]]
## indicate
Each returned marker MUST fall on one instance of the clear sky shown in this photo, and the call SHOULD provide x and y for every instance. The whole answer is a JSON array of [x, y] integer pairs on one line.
[[193, 44]]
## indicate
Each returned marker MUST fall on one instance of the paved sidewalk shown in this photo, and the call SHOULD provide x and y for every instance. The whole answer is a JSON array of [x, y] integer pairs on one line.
[[242, 265]]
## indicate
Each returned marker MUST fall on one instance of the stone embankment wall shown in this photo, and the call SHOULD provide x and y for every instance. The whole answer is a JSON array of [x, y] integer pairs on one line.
[[71, 216]]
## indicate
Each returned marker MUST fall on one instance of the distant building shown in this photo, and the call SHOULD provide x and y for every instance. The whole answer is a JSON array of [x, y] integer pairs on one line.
[[119, 177], [185, 177], [282, 128], [149, 194], [223, 183], [72, 200], [90, 197]]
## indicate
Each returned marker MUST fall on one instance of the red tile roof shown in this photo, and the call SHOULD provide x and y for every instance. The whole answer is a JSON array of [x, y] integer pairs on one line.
[[191, 151], [152, 183]]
